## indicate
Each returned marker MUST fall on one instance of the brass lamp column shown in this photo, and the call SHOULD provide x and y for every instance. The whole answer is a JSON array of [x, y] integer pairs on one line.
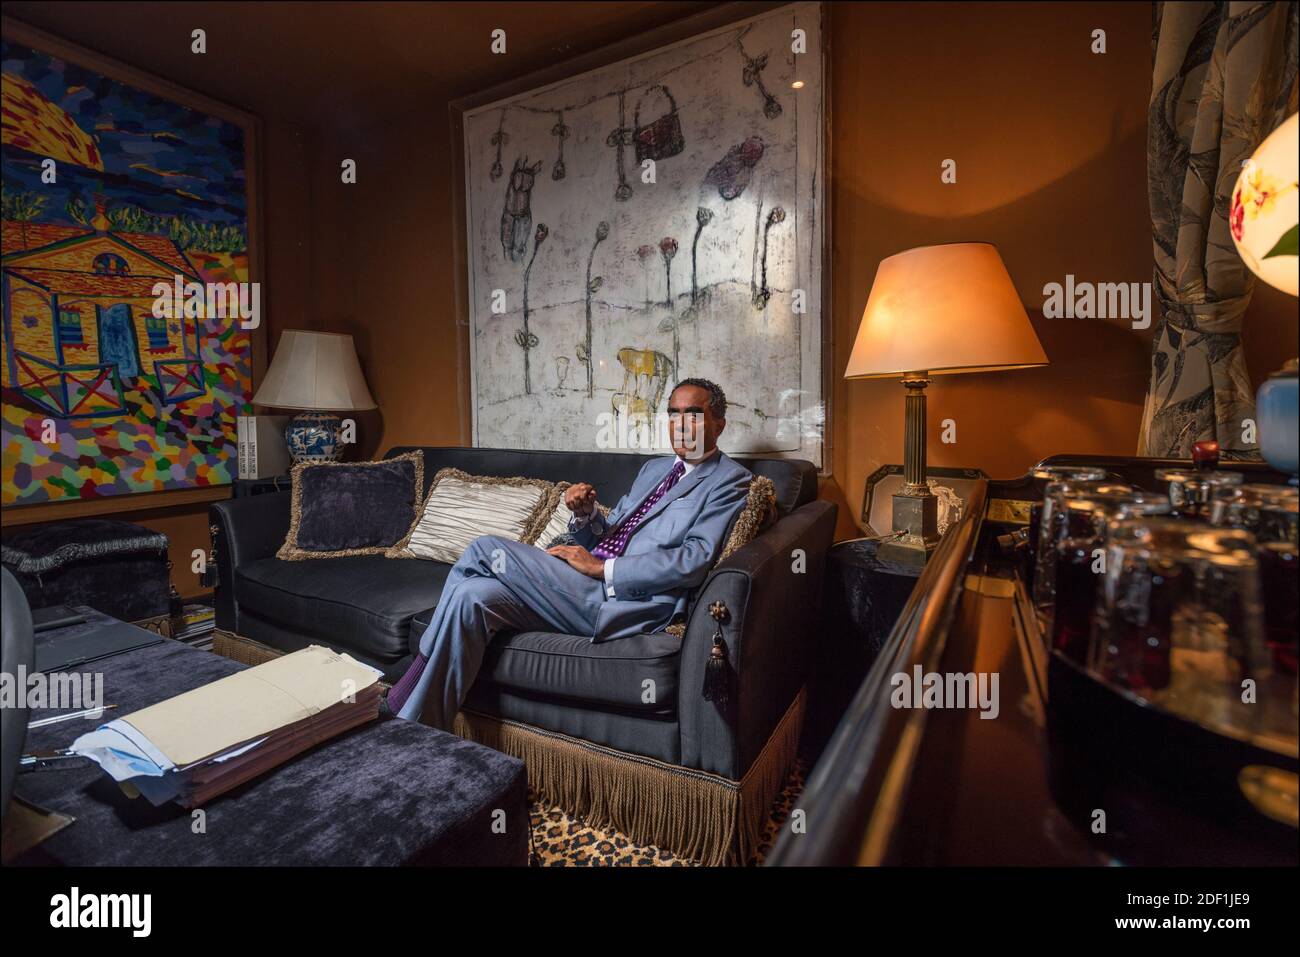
[[916, 509], [936, 310]]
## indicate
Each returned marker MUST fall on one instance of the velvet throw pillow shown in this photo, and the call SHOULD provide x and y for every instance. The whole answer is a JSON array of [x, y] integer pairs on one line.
[[352, 508], [758, 513], [461, 507]]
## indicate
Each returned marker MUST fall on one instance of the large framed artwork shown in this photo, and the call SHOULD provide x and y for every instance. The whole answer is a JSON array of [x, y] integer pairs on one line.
[[115, 182], [652, 220]]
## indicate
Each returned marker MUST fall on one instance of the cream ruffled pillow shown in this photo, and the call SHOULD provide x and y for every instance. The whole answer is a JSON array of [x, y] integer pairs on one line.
[[461, 507]]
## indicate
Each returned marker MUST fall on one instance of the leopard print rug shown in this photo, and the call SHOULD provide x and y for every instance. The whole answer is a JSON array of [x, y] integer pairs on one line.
[[561, 840]]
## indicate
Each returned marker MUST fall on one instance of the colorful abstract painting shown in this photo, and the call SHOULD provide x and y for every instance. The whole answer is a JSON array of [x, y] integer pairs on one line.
[[656, 219], [109, 190]]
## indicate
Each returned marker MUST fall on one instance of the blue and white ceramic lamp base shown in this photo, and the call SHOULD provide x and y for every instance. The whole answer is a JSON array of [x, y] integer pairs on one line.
[[314, 437], [1276, 407]]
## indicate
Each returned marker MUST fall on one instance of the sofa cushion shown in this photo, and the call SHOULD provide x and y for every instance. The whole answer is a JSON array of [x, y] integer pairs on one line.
[[759, 513], [607, 673], [794, 480], [461, 507], [364, 602], [352, 508], [633, 732]]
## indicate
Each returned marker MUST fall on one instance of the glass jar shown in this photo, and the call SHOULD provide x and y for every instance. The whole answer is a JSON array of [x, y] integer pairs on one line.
[[1053, 475], [1178, 624], [1079, 528], [1191, 489], [1270, 512], [1279, 580], [1050, 529]]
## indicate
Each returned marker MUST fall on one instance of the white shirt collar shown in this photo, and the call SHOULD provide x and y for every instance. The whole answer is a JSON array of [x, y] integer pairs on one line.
[[687, 466]]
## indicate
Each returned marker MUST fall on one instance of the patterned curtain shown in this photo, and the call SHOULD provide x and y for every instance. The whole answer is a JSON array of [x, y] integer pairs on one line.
[[1224, 78]]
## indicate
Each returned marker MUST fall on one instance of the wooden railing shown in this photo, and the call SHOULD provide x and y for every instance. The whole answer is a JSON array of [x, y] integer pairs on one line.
[[855, 793]]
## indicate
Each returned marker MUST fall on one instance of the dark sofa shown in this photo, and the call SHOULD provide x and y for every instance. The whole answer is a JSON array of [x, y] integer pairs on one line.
[[564, 688]]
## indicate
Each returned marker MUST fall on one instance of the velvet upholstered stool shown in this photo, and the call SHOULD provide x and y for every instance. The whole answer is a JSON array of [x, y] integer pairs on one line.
[[116, 567], [387, 793]]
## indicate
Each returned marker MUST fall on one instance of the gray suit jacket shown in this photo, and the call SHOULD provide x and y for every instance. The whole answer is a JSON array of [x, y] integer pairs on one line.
[[676, 544]]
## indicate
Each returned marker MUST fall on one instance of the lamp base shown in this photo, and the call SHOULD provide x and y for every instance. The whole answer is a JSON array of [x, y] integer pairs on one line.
[[314, 437], [916, 523], [1275, 411]]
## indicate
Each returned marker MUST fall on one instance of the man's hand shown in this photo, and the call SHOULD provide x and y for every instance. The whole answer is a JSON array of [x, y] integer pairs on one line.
[[579, 558], [580, 498]]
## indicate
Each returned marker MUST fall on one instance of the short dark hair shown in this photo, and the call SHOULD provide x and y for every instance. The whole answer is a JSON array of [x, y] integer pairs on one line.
[[717, 398]]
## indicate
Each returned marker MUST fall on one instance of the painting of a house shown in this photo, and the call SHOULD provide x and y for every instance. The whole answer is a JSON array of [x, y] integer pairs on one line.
[[80, 322], [111, 189]]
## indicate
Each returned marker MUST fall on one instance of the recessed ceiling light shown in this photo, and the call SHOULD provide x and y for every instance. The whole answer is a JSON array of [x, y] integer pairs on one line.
[[797, 84]]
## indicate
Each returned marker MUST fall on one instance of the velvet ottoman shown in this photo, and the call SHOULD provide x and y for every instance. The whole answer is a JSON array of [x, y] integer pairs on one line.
[[389, 793], [116, 567]]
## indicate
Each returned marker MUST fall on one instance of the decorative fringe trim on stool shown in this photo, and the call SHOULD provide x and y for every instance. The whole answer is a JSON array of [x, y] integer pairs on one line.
[[80, 551], [692, 813]]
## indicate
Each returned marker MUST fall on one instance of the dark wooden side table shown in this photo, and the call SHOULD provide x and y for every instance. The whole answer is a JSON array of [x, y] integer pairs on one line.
[[258, 486], [863, 597]]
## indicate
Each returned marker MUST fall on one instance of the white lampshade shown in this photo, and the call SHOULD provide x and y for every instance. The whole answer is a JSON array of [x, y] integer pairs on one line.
[[318, 371], [1265, 209], [943, 309]]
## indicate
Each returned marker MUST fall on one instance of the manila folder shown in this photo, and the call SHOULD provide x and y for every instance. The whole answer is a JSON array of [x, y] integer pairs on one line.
[[251, 704]]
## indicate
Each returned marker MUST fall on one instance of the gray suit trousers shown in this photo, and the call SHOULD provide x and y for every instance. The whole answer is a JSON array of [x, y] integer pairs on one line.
[[498, 585]]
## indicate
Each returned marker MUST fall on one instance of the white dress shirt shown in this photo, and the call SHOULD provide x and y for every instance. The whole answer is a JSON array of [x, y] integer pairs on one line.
[[609, 562]]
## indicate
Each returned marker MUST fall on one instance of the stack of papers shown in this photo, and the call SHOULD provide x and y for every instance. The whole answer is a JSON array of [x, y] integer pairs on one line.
[[200, 744]]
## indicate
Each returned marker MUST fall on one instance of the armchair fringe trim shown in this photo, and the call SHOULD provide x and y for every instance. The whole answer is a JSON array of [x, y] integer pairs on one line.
[[692, 813]]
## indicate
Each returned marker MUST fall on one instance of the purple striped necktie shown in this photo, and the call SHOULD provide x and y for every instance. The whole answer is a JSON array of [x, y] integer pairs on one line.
[[615, 542]]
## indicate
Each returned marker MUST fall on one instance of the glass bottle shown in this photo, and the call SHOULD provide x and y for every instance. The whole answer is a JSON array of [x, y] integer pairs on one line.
[[1191, 489]]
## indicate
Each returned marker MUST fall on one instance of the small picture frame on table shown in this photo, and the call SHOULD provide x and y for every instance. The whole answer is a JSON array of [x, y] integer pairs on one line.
[[953, 486]]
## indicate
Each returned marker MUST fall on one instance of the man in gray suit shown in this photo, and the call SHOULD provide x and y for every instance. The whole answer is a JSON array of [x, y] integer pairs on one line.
[[628, 574]]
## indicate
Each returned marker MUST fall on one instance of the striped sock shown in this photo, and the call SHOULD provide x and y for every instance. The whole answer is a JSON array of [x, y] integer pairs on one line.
[[399, 692]]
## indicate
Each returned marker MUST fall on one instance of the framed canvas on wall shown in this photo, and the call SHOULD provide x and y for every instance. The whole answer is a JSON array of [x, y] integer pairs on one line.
[[657, 217], [116, 182]]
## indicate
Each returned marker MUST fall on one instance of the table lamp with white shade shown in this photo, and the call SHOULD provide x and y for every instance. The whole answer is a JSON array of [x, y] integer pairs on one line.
[[318, 373], [936, 310]]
